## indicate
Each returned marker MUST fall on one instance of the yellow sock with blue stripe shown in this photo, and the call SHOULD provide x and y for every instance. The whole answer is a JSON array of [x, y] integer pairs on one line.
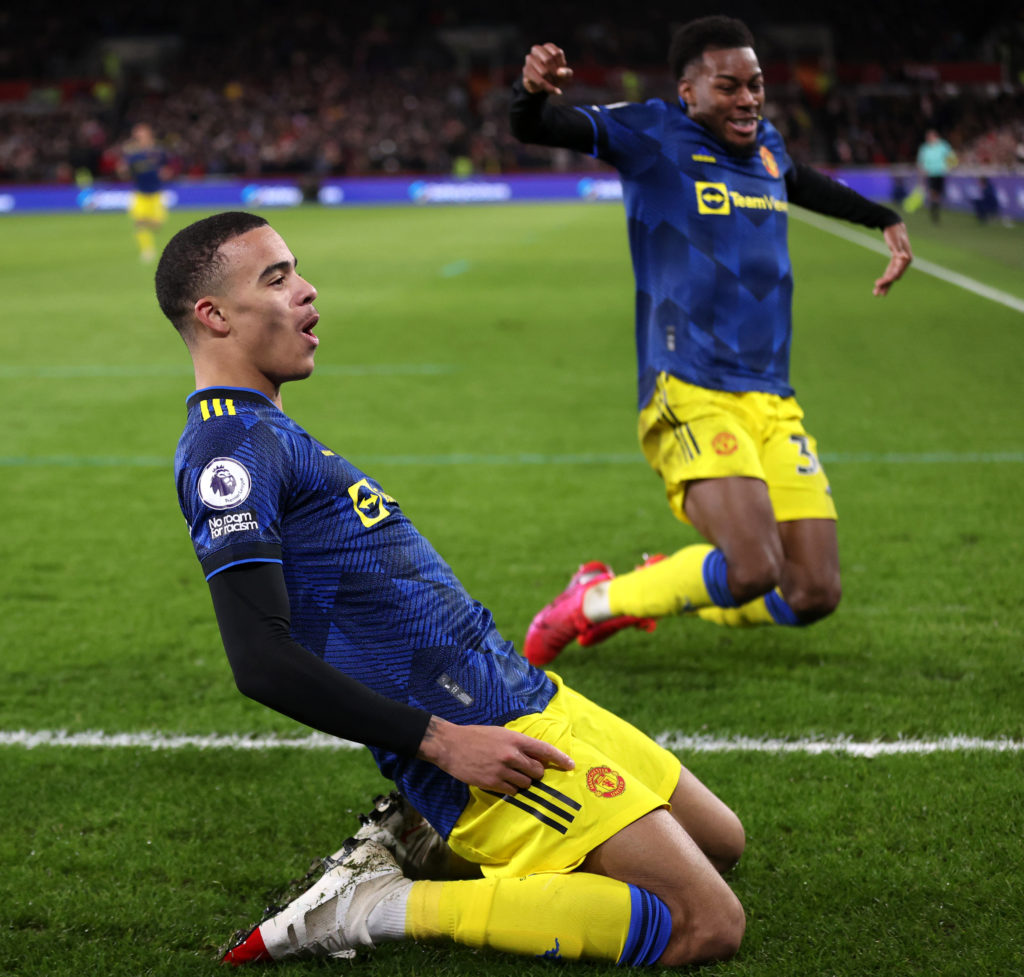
[[770, 609], [569, 917], [689, 579]]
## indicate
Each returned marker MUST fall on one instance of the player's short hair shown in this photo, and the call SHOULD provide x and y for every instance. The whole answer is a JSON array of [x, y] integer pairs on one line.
[[715, 33], [191, 264]]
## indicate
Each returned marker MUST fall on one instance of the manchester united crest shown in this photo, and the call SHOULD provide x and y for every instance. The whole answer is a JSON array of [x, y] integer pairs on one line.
[[605, 782], [724, 443], [769, 162]]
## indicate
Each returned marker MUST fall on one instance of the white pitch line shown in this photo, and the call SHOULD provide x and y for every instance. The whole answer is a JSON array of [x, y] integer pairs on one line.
[[97, 739], [841, 744], [921, 264], [685, 743]]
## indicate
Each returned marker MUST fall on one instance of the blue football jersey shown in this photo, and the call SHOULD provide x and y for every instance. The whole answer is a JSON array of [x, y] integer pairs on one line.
[[708, 238], [368, 593], [145, 166]]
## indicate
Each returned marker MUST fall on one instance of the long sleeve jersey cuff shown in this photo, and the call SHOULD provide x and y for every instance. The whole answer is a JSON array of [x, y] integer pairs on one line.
[[253, 612]]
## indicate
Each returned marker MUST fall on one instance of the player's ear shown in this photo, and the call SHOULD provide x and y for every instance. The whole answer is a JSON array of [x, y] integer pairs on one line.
[[685, 89], [209, 314]]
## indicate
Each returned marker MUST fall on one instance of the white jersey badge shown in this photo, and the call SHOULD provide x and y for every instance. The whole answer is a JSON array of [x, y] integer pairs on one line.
[[224, 483]]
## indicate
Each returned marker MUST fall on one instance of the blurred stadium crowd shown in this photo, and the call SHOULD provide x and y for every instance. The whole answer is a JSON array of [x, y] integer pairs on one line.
[[255, 90]]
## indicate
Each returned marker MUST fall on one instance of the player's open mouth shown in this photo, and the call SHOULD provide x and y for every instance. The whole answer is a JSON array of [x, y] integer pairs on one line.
[[307, 330], [746, 126]]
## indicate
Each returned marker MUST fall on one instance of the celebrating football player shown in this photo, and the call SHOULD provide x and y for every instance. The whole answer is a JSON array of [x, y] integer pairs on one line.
[[707, 185], [587, 839]]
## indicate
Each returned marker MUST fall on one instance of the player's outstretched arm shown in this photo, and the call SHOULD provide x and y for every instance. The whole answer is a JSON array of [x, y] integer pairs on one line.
[[490, 757], [898, 240], [533, 119], [806, 187], [545, 69]]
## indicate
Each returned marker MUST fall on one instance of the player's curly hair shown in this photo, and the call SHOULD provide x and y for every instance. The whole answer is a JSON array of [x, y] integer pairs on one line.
[[190, 265], [715, 33]]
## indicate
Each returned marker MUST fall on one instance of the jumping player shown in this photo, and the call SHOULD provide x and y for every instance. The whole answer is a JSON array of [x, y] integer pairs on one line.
[[707, 185]]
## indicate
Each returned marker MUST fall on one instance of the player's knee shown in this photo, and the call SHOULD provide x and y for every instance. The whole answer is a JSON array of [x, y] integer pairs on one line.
[[711, 932], [750, 578], [814, 599], [727, 847]]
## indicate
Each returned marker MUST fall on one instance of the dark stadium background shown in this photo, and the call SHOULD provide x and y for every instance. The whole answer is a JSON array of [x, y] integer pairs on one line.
[[344, 89]]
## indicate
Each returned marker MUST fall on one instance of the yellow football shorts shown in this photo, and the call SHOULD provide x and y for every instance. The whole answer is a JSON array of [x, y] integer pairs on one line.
[[689, 433], [620, 776], [147, 208]]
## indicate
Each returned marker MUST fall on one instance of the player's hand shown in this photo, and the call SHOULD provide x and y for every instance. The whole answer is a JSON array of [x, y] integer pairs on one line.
[[490, 757], [544, 69], [899, 247]]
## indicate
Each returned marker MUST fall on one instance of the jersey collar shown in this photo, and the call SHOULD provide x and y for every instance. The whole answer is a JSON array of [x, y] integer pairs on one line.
[[234, 393]]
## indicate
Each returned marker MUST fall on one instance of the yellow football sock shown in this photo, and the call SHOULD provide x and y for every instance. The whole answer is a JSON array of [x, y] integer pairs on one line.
[[770, 609], [674, 585], [746, 616], [572, 917], [146, 240]]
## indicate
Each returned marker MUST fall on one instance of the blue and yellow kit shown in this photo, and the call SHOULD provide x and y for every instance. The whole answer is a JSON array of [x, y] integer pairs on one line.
[[145, 166], [371, 597], [369, 594], [708, 238]]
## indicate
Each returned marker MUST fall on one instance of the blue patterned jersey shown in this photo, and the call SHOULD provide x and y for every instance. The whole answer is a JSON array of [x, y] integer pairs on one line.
[[368, 593], [145, 166], [707, 232]]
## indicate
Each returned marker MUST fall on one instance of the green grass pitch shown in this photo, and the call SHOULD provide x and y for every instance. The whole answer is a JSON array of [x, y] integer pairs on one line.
[[479, 363]]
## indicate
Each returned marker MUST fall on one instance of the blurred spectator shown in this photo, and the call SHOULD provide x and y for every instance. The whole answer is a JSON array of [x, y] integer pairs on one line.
[[423, 87], [1001, 146], [985, 201]]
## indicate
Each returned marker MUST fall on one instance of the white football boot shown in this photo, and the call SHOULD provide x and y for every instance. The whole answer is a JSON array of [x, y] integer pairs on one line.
[[394, 823], [328, 919]]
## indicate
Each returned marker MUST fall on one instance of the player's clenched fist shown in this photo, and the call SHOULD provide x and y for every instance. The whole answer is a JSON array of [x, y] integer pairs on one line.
[[544, 68]]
